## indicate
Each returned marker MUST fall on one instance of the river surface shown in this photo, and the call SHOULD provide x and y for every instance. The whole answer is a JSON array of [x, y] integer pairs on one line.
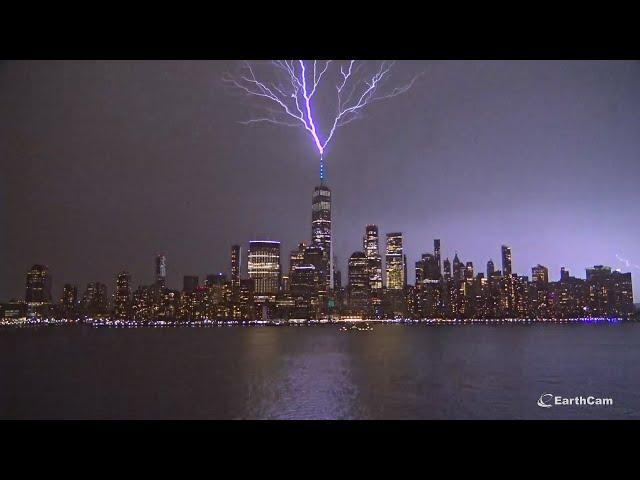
[[318, 372]]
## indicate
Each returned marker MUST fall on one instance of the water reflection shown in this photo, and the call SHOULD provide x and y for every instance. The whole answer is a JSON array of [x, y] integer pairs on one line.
[[318, 372]]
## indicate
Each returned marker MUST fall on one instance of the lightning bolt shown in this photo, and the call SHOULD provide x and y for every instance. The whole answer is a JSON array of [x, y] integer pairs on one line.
[[289, 93], [627, 263]]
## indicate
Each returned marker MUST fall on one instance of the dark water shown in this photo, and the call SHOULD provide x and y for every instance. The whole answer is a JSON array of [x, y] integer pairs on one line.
[[394, 372]]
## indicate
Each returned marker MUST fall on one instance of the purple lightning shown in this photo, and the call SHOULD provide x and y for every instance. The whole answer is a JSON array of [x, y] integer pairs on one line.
[[627, 262], [289, 94]]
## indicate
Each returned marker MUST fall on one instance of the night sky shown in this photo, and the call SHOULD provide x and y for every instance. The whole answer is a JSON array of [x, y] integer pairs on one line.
[[106, 164]]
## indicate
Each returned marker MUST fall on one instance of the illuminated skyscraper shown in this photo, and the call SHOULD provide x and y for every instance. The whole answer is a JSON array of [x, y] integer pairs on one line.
[[394, 260], [38, 285], [506, 261], [296, 257], [69, 300], [468, 271], [358, 289], [264, 266], [161, 270], [427, 292], [370, 241], [69, 295], [321, 231], [540, 274], [123, 295], [236, 262], [371, 248]]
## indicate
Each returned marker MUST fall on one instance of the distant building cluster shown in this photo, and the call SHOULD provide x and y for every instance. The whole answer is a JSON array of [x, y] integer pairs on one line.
[[312, 288]]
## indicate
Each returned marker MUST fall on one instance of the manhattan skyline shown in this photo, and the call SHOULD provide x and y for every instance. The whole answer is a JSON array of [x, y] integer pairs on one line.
[[111, 162]]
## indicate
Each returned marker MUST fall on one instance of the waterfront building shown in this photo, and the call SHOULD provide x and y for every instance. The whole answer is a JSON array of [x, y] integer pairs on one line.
[[506, 261], [38, 286], [321, 232], [264, 266], [371, 249], [395, 262], [122, 300], [358, 288], [95, 300], [69, 296], [236, 265], [305, 282]]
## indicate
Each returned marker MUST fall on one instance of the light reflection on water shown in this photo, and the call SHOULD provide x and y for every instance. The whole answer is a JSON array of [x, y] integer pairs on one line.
[[318, 372]]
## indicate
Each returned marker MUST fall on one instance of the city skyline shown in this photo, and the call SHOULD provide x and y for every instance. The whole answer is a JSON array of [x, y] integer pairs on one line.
[[236, 269], [537, 155], [441, 290]]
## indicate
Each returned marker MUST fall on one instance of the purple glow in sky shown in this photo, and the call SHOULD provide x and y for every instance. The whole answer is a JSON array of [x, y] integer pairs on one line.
[[106, 163]]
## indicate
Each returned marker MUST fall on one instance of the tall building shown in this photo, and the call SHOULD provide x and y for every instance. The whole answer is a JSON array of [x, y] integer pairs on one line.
[[436, 254], [161, 270], [38, 285], [540, 274], [236, 263], [358, 289], [506, 261], [245, 307], [370, 241], [123, 295], [447, 269], [609, 293], [491, 269], [69, 295], [304, 291], [394, 260], [296, 257], [94, 299], [458, 268], [419, 272], [371, 248], [430, 266], [264, 266], [598, 272], [468, 271], [321, 231], [404, 272]]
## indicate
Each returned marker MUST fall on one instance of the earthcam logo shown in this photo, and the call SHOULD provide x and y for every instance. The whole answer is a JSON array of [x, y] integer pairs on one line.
[[548, 400], [544, 398]]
